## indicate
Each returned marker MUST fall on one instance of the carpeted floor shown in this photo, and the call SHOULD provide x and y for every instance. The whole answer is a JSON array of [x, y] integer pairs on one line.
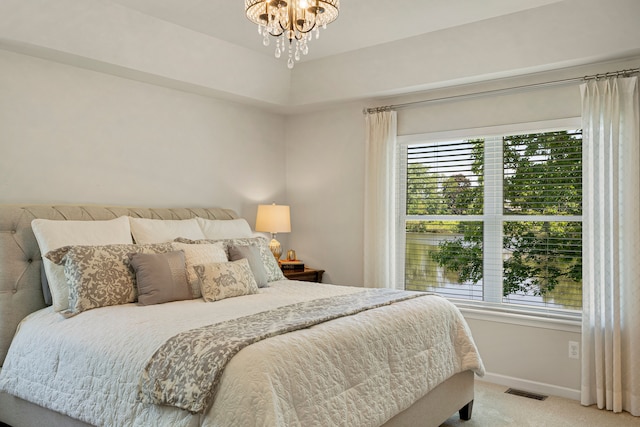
[[493, 408]]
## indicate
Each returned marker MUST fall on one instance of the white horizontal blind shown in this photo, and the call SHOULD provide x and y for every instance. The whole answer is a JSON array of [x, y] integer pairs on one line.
[[543, 174], [495, 219], [542, 225], [444, 178], [444, 189]]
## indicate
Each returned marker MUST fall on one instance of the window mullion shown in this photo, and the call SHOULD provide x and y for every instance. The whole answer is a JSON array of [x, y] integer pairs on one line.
[[493, 192]]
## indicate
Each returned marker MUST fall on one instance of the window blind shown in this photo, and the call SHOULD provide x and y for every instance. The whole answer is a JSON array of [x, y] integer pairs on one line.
[[543, 174], [445, 183], [542, 262], [445, 178], [495, 219]]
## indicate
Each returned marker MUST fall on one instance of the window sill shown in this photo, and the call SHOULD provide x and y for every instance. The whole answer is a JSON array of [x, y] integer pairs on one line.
[[567, 322]]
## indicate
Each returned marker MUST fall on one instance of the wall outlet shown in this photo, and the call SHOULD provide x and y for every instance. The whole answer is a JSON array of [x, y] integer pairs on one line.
[[574, 350]]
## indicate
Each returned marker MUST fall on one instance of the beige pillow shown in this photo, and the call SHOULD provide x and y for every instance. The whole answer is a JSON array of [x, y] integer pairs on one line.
[[225, 228], [199, 254], [160, 278], [146, 230], [54, 234], [226, 280]]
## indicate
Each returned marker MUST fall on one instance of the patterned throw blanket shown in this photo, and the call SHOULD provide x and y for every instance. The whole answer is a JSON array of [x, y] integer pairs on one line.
[[186, 369]]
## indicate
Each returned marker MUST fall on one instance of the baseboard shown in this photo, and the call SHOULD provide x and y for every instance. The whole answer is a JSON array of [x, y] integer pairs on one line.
[[533, 386]]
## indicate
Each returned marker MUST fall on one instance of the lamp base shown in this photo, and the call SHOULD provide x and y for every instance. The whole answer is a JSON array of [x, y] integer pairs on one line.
[[275, 248]]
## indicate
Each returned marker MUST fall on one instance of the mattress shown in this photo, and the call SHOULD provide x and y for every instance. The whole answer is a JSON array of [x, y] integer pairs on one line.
[[356, 370]]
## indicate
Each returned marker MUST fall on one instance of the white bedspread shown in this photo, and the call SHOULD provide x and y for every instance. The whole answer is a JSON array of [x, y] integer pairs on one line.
[[358, 370]]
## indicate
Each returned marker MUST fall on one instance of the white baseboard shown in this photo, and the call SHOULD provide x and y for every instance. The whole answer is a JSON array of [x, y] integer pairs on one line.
[[532, 386]]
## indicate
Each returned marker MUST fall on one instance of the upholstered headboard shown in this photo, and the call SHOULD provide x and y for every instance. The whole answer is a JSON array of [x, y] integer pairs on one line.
[[20, 260]]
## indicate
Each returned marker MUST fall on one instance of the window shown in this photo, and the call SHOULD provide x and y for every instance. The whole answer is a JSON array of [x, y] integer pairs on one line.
[[496, 219]]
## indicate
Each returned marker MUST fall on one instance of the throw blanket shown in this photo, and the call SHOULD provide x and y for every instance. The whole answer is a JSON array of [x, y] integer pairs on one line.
[[185, 370]]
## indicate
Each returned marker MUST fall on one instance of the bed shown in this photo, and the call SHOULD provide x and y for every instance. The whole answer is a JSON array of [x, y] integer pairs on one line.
[[406, 363]]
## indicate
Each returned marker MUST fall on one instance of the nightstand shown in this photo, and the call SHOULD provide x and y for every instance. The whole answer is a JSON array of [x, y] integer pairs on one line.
[[308, 275]]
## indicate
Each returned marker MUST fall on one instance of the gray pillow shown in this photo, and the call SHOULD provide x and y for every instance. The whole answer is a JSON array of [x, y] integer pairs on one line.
[[46, 291], [252, 254], [161, 277]]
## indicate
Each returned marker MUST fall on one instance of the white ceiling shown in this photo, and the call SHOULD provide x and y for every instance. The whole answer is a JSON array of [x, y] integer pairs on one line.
[[362, 23], [209, 47]]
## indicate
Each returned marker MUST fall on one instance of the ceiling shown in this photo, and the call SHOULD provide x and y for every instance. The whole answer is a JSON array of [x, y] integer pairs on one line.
[[210, 48], [362, 23]]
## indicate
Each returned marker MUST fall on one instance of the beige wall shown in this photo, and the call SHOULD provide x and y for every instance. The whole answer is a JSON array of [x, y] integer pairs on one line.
[[325, 187], [533, 357], [70, 135]]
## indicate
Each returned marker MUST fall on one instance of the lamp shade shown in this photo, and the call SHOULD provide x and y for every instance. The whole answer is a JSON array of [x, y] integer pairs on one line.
[[273, 219]]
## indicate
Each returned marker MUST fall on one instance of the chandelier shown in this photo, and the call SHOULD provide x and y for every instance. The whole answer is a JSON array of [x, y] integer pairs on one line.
[[294, 21]]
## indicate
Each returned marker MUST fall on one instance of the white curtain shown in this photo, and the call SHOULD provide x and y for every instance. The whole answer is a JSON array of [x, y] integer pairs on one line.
[[611, 226], [380, 200]]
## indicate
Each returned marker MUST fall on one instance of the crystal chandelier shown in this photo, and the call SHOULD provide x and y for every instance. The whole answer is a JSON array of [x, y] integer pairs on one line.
[[293, 20]]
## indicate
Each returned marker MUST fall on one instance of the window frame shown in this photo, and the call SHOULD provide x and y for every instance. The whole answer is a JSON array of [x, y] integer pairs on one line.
[[492, 308]]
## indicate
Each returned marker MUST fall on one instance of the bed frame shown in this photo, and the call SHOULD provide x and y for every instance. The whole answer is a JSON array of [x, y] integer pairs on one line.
[[21, 294]]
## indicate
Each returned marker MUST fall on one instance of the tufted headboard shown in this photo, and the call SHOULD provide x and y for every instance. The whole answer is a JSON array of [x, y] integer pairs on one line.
[[20, 260]]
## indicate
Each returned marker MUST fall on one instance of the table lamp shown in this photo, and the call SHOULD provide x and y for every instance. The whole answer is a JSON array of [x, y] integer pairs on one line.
[[273, 219]]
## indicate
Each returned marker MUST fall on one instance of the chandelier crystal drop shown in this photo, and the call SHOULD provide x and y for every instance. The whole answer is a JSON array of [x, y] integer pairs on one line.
[[292, 21]]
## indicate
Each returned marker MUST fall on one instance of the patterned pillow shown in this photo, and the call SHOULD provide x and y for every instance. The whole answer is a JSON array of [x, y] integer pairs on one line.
[[226, 279], [99, 276], [199, 254], [268, 260], [54, 234]]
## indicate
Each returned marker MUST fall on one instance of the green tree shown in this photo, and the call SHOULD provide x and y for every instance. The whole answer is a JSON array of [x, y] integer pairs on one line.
[[463, 255], [457, 194], [542, 255]]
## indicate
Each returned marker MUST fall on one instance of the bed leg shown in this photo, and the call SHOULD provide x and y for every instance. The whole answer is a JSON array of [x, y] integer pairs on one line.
[[465, 412]]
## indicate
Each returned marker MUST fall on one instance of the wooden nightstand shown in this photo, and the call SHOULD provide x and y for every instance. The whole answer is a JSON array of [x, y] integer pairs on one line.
[[308, 275]]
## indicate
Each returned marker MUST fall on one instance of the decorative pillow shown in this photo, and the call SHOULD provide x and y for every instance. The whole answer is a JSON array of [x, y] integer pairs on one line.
[[268, 260], [160, 277], [99, 276], [224, 228], [46, 289], [164, 230], [54, 234], [252, 254], [199, 254], [226, 280]]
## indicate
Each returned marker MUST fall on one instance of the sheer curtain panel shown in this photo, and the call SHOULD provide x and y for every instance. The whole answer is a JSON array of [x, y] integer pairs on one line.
[[380, 200], [611, 220]]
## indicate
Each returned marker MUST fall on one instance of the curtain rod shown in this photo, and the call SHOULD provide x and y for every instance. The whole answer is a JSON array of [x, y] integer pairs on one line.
[[624, 73]]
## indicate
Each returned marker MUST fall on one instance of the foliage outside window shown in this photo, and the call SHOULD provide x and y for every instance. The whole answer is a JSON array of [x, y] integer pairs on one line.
[[496, 219]]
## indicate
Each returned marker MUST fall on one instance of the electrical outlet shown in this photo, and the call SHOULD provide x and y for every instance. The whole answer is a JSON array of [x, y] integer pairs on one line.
[[574, 350]]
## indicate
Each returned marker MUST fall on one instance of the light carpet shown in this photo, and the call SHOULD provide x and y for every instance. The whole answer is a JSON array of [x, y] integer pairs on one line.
[[494, 408]]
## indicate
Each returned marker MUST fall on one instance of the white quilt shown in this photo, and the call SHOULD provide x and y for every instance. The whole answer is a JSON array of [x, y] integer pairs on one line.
[[357, 370]]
